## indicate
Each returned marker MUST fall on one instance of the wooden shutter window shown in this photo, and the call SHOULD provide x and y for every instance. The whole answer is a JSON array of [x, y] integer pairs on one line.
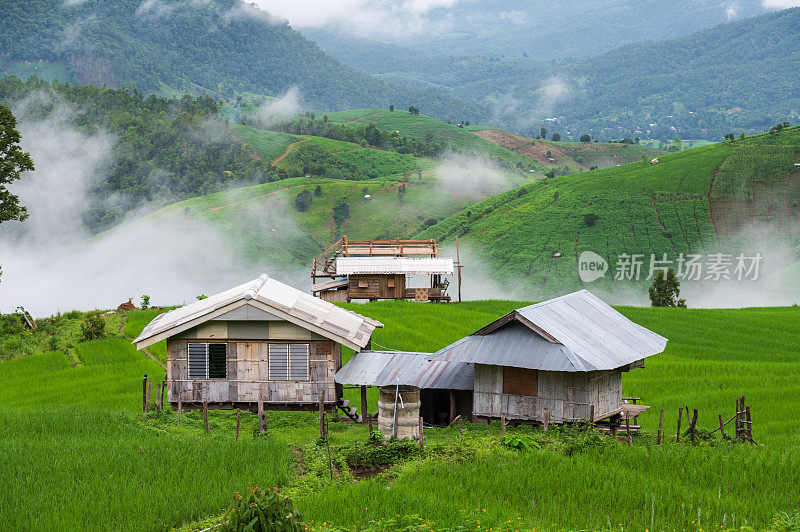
[[520, 381], [279, 362], [298, 362], [363, 283], [198, 361], [390, 282]]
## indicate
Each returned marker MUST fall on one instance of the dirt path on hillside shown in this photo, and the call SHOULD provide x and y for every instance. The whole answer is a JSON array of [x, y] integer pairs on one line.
[[288, 151], [363, 117], [255, 198]]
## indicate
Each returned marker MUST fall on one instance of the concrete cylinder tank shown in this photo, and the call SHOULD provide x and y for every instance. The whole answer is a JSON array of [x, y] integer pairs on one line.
[[405, 424]]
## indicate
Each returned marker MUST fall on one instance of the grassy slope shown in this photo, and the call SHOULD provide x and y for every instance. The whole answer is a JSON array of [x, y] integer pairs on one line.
[[421, 126], [84, 427], [643, 208]]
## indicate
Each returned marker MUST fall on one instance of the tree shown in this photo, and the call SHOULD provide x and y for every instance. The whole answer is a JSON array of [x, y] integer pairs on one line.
[[318, 190], [543, 133], [401, 191], [13, 161], [391, 108], [556, 137], [590, 218], [303, 201], [341, 212], [666, 290], [586, 138], [413, 110]]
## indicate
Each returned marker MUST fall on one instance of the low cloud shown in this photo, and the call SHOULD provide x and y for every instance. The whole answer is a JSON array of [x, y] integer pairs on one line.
[[160, 8], [515, 17], [732, 11], [51, 263], [367, 18], [461, 174], [279, 109], [780, 4]]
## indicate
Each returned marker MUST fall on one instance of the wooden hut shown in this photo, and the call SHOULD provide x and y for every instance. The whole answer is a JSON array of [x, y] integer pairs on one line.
[[445, 388], [382, 269], [560, 360], [260, 342]]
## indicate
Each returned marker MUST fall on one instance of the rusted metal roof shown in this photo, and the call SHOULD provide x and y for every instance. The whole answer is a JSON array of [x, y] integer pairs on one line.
[[343, 326], [384, 368], [575, 332], [389, 265]]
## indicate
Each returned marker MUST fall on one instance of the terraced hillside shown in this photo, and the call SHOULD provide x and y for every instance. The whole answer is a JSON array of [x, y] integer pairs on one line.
[[423, 127], [568, 157], [731, 198]]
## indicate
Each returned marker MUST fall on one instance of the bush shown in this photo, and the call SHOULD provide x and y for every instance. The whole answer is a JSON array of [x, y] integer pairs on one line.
[[520, 442], [378, 453], [261, 511], [590, 218], [93, 326], [303, 201]]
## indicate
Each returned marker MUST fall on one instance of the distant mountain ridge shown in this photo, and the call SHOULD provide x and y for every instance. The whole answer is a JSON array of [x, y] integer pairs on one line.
[[225, 47]]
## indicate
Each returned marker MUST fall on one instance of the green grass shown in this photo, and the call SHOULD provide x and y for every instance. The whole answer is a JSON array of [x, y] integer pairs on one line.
[[41, 69], [83, 456], [643, 208], [269, 145]]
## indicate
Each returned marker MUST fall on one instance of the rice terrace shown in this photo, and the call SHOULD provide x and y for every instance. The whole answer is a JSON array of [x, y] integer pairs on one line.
[[415, 266]]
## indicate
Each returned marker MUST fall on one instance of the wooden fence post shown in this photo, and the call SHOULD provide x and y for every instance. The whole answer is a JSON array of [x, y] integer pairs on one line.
[[591, 413], [364, 411], [546, 419], [238, 422], [144, 394], [628, 431], [421, 435], [260, 411], [678, 435], [503, 423], [322, 432], [147, 399], [205, 416], [161, 395], [721, 427], [693, 426], [180, 410], [660, 424], [157, 402], [749, 424]]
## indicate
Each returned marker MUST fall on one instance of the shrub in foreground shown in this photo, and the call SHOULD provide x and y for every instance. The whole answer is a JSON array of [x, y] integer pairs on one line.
[[262, 511]]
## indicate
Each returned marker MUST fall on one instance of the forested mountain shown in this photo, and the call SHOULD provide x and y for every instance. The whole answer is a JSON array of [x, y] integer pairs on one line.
[[225, 47], [165, 150], [542, 30], [741, 76]]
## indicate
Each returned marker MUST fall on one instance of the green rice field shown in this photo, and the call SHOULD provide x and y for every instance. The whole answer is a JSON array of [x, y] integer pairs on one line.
[[77, 453]]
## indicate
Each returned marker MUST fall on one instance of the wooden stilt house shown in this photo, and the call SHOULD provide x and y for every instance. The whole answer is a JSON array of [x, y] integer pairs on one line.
[[382, 269], [260, 342], [560, 360]]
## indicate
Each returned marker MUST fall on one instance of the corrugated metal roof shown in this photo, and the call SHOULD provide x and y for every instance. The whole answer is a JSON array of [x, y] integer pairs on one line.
[[384, 368], [590, 335], [388, 265], [344, 326]]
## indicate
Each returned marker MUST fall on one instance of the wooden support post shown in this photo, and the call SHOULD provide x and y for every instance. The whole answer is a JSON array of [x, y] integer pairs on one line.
[[737, 423], [364, 408], [322, 433], [205, 416], [158, 395], [238, 422], [721, 427], [180, 410], [144, 394], [748, 424], [458, 261], [591, 413], [161, 395], [260, 410], [503, 423], [147, 398], [660, 425], [693, 426], [452, 406], [628, 431], [421, 435], [546, 419], [678, 434]]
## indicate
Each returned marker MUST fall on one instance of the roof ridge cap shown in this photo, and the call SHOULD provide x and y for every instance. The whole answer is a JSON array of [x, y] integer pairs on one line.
[[257, 285]]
